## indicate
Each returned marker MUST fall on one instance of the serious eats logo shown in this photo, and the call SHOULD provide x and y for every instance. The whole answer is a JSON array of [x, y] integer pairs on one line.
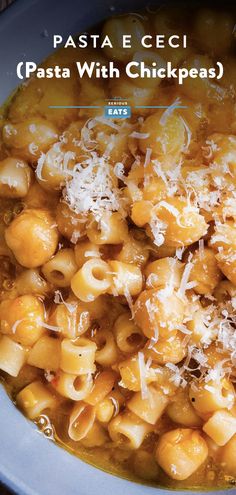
[[117, 108]]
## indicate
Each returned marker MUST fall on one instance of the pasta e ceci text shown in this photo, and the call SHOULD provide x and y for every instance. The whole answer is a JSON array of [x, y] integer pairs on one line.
[[146, 61]]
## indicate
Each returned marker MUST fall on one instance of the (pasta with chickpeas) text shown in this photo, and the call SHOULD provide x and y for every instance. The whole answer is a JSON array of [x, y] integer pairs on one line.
[[118, 257]]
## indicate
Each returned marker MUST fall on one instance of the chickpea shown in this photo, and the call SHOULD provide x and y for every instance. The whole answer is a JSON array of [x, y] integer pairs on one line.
[[85, 250], [62, 92], [183, 224], [163, 380], [228, 457], [141, 212], [30, 281], [4, 249], [110, 229], [32, 237], [222, 153], [212, 26], [176, 57], [196, 115], [36, 97], [211, 396], [92, 94], [181, 452], [199, 88], [157, 314], [163, 272], [37, 197], [134, 251], [200, 325], [167, 350], [98, 308], [162, 251], [55, 168], [227, 263], [30, 138], [130, 373], [215, 354], [105, 410], [155, 190], [222, 117], [71, 139], [196, 179], [128, 90], [226, 210], [205, 271], [115, 28], [164, 138], [148, 57], [73, 318], [116, 146], [224, 236], [22, 318], [25, 102], [70, 224], [181, 411], [126, 277], [15, 178]]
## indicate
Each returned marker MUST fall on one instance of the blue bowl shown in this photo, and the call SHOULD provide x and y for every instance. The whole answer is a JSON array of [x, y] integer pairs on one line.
[[29, 463]]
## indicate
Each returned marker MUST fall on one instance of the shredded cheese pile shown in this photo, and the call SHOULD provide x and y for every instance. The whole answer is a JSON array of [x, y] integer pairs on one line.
[[93, 189]]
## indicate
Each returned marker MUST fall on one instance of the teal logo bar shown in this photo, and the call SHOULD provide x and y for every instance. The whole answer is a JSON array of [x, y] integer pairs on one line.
[[117, 112]]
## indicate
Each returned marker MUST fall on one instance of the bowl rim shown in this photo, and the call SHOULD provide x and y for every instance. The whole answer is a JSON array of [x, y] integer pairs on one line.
[[38, 462]]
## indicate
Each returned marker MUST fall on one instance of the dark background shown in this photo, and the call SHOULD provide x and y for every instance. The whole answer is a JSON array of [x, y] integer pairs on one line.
[[4, 491], [4, 3]]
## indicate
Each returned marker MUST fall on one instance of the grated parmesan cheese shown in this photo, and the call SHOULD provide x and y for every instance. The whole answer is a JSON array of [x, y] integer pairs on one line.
[[158, 229], [170, 208], [16, 324], [139, 135], [40, 165], [201, 249], [58, 299], [167, 113], [50, 327], [184, 280], [93, 189]]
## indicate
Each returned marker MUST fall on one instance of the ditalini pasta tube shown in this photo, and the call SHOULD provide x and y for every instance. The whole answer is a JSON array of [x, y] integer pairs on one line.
[[12, 356], [81, 421], [128, 430], [149, 408], [77, 357], [71, 386], [34, 399], [92, 280]]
